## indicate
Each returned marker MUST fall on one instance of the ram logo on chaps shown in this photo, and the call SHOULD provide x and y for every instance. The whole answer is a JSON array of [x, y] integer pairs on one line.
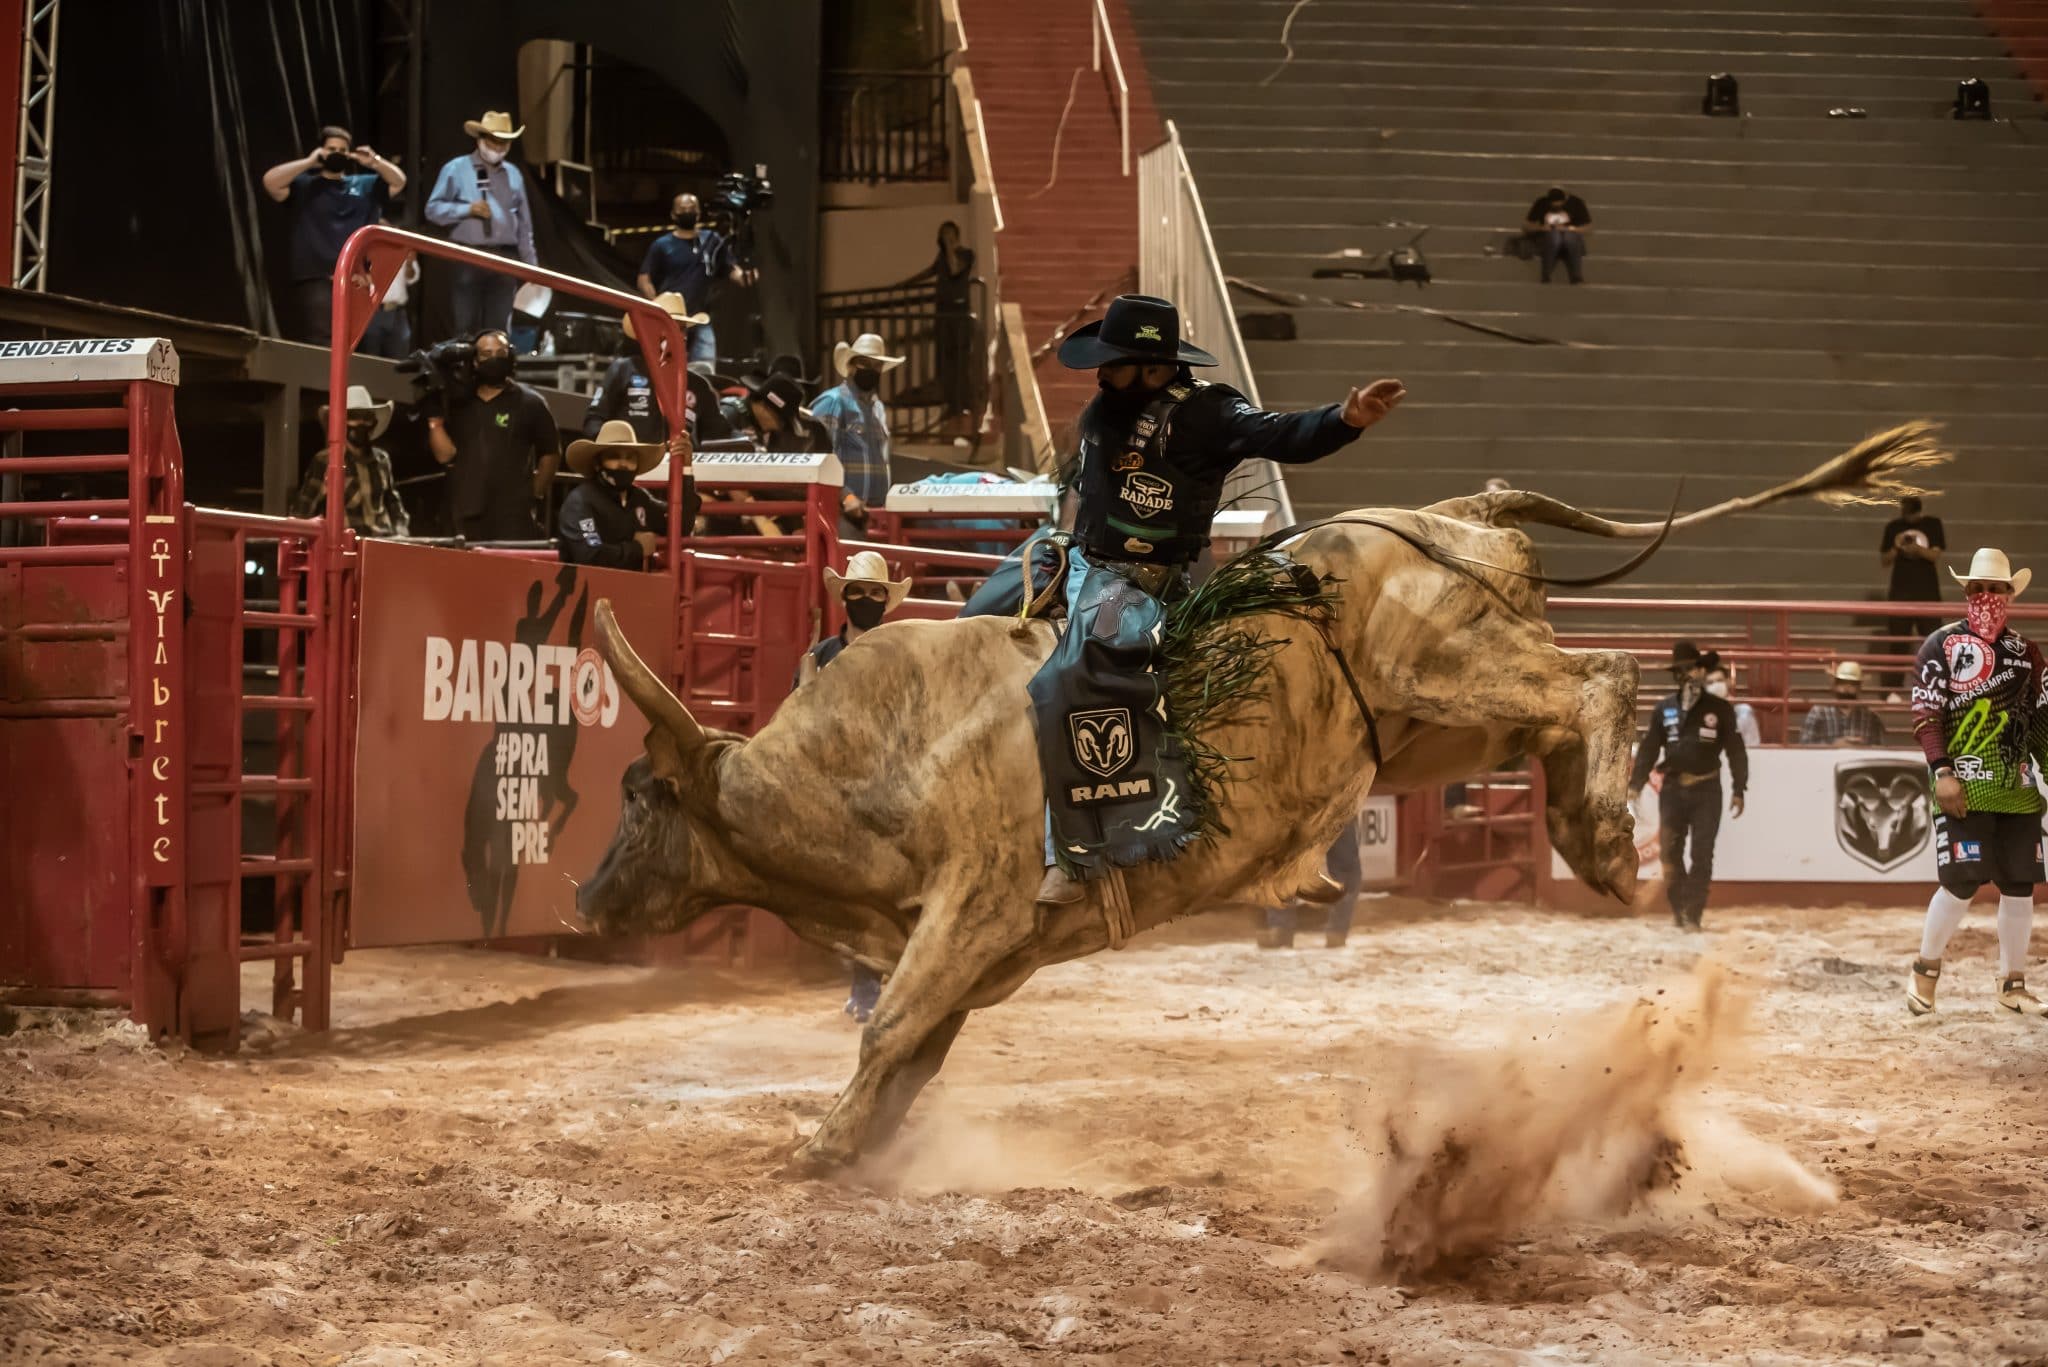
[[1102, 739], [1881, 810]]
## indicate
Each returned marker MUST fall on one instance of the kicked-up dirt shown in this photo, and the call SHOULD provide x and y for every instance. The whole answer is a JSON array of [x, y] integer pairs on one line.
[[1473, 1135]]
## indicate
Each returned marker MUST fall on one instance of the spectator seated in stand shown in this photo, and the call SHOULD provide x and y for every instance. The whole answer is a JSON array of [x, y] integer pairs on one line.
[[1844, 721], [1558, 223], [1721, 683], [770, 410], [608, 519]]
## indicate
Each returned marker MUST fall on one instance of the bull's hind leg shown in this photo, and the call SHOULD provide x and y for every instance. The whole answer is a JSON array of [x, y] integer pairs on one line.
[[952, 946], [1498, 670]]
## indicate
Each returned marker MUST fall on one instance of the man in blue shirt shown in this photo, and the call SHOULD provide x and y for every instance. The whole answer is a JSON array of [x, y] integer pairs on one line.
[[480, 197], [333, 190], [858, 423], [688, 260]]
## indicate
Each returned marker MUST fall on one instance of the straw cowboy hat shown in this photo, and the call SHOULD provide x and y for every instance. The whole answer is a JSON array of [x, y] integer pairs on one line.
[[1848, 671], [612, 438], [1137, 327], [494, 124], [867, 567], [1989, 566], [866, 347], [359, 402], [676, 307]]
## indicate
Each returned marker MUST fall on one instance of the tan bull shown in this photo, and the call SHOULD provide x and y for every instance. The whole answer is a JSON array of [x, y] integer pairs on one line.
[[893, 811]]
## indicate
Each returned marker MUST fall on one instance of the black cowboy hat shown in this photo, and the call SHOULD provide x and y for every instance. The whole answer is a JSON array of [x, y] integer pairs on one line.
[[1684, 653], [1136, 328]]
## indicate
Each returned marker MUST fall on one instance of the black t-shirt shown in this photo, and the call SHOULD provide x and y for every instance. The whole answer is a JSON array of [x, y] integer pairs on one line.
[[1574, 209], [325, 212], [1913, 580], [498, 441]]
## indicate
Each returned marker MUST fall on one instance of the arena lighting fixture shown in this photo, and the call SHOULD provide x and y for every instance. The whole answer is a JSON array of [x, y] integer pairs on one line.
[[1723, 97], [1973, 99]]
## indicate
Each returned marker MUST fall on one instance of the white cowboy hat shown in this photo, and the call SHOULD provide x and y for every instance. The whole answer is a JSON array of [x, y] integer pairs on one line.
[[359, 401], [867, 346], [1848, 671], [676, 307], [494, 124], [867, 567], [1989, 566], [615, 436]]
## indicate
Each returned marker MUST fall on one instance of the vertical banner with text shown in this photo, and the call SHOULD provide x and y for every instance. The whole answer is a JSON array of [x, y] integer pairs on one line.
[[158, 641], [490, 739]]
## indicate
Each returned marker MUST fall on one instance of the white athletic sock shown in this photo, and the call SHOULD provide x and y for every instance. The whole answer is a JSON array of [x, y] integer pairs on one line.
[[2015, 928], [1944, 913]]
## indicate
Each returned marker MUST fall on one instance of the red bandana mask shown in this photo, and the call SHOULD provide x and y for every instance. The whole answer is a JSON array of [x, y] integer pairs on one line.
[[1986, 613]]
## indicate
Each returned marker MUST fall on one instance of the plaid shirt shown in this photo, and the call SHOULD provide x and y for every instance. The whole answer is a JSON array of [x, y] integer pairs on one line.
[[859, 426], [1828, 723]]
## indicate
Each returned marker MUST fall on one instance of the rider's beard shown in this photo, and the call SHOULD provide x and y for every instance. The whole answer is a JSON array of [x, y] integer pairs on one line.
[[1126, 401]]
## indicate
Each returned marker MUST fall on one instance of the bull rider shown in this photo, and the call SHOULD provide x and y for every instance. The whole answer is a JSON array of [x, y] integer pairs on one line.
[[1156, 446], [609, 519], [1691, 729], [1980, 714]]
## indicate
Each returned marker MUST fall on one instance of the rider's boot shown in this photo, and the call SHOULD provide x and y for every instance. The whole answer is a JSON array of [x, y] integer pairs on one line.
[[1059, 890], [1920, 991]]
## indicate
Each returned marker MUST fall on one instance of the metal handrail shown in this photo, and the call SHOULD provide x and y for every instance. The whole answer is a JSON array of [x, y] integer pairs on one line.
[[1103, 38]]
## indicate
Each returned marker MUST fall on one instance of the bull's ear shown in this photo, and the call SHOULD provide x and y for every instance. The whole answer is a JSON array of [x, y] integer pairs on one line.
[[647, 691]]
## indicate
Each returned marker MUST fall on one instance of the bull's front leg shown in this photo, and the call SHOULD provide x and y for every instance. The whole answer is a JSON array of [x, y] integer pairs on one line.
[[953, 944]]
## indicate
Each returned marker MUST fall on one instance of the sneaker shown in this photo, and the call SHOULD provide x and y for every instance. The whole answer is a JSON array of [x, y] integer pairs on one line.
[[2014, 997], [1920, 991]]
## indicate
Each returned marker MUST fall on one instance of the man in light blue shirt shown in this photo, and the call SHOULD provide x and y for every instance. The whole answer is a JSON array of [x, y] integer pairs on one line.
[[858, 422], [480, 197]]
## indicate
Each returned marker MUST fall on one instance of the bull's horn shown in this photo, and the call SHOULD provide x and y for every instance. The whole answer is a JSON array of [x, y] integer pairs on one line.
[[642, 685]]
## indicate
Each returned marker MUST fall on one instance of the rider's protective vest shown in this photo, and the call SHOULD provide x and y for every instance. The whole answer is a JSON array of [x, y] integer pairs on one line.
[[1135, 503]]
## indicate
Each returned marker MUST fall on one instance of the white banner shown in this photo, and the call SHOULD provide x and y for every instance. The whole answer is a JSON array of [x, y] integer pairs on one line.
[[1378, 848], [1815, 815]]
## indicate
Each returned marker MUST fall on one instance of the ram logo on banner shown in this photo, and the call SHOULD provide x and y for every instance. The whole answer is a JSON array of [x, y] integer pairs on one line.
[[1881, 815], [491, 735]]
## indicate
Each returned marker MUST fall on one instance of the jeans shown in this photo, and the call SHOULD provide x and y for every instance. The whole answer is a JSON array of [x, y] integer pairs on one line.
[[703, 344], [863, 992], [1570, 247], [389, 334], [1342, 863], [482, 299], [1688, 811]]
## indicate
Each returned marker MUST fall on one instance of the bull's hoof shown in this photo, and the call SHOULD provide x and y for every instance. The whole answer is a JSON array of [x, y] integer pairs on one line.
[[813, 1161]]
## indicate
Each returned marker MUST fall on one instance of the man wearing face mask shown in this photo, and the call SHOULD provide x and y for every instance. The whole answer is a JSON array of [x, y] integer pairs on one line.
[[868, 594], [857, 421], [1980, 713], [608, 519], [1691, 729], [501, 449], [372, 505], [626, 392], [480, 197], [1157, 446], [333, 190], [690, 260], [1845, 721]]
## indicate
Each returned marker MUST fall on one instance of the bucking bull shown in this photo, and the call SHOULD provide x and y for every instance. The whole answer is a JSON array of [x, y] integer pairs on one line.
[[893, 811]]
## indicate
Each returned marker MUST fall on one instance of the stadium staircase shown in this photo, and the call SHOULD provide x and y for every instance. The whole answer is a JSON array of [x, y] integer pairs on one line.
[[1077, 241], [1761, 291]]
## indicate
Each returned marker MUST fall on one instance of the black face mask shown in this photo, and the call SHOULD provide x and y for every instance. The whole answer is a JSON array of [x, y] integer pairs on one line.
[[865, 613], [684, 221], [359, 434], [337, 161], [494, 369], [866, 380], [619, 479]]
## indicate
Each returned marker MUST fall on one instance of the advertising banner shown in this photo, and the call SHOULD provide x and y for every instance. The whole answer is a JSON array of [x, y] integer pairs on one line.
[[490, 739], [1816, 815], [1378, 848]]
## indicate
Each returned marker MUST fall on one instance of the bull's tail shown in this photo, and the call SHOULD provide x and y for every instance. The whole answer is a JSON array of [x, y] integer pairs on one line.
[[1875, 470]]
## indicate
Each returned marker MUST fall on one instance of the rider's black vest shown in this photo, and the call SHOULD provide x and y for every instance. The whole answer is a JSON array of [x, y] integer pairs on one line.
[[1137, 505]]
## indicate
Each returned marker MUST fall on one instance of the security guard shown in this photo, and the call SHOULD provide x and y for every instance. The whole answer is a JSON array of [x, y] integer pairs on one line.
[[1156, 446], [1691, 729]]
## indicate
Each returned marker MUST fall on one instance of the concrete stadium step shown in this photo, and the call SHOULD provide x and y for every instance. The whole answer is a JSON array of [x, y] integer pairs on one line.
[[1559, 305], [1959, 284], [1936, 401], [1412, 26], [1658, 97], [1706, 422], [1954, 336], [1226, 117], [1325, 363], [1322, 243], [1483, 14]]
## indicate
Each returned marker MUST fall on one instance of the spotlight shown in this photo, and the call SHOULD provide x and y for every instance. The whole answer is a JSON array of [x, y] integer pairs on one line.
[[1723, 97], [1973, 99]]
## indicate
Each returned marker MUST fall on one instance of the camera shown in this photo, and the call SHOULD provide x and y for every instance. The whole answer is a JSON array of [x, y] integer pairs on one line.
[[444, 368], [739, 193]]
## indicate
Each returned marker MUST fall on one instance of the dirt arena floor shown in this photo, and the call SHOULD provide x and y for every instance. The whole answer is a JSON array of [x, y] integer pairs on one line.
[[1474, 1135]]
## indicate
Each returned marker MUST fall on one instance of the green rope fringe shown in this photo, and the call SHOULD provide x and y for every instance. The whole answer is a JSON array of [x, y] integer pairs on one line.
[[1215, 664]]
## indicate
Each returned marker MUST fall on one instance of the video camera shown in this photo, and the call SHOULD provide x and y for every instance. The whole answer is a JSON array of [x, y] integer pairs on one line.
[[444, 368], [739, 193]]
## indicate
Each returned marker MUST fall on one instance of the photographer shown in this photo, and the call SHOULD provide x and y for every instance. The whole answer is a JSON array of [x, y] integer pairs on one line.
[[333, 190], [498, 440], [689, 260]]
